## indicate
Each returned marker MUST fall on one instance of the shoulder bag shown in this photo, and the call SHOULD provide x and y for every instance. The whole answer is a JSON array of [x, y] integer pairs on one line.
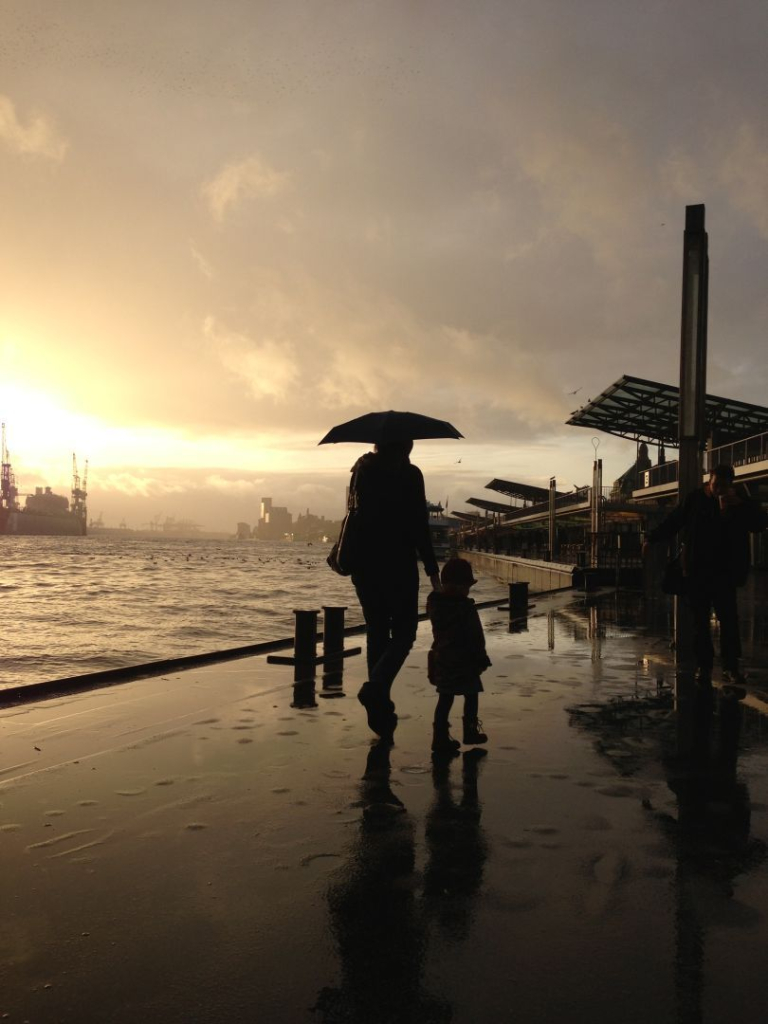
[[344, 554]]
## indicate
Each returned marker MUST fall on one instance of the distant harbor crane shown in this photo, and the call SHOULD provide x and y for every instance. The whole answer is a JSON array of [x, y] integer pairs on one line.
[[79, 504], [8, 490]]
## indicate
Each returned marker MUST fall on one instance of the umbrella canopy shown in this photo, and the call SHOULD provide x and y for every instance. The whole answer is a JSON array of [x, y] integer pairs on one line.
[[380, 427]]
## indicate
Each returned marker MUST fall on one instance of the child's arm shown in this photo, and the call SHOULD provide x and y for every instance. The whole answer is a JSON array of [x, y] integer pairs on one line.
[[478, 642]]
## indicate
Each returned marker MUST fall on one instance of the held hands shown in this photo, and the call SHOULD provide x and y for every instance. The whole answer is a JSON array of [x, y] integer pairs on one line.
[[435, 581]]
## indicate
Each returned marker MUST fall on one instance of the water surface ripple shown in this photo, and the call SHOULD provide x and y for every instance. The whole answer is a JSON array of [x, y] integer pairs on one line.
[[84, 604]]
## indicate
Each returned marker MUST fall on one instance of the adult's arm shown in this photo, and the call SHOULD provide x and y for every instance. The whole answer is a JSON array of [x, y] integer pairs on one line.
[[673, 524], [478, 641], [420, 525], [748, 512]]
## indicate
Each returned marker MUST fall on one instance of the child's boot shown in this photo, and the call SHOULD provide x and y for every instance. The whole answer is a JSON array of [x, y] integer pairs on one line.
[[442, 741], [472, 733]]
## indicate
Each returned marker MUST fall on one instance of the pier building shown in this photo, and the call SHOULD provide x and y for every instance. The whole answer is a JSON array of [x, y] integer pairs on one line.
[[600, 528]]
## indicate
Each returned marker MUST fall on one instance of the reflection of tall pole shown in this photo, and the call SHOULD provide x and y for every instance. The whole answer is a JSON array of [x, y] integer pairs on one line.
[[593, 632], [712, 840], [595, 510], [691, 427], [552, 529]]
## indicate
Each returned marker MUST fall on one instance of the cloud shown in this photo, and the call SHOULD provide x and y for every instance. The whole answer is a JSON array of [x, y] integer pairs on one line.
[[134, 485], [251, 178], [319, 354], [202, 263], [36, 138], [232, 485], [268, 366], [744, 173]]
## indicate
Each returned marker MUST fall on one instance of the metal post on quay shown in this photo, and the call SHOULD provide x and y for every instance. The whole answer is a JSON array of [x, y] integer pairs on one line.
[[305, 658], [691, 418], [333, 649], [517, 606]]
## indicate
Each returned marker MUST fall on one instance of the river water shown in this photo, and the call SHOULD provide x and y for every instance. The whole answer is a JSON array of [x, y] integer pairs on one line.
[[72, 605]]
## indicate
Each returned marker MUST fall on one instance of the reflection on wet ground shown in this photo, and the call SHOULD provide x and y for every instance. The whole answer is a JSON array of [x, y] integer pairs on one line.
[[220, 845]]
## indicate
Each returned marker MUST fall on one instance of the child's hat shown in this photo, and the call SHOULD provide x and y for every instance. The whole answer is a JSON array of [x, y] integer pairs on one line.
[[458, 570]]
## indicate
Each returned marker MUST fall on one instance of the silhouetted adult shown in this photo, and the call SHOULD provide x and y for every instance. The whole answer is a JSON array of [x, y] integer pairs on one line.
[[715, 522], [393, 525]]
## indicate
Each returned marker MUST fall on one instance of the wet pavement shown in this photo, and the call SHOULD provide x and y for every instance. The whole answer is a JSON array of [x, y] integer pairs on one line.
[[210, 847]]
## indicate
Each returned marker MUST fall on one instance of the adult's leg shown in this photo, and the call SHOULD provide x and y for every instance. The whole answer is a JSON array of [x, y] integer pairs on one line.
[[727, 612], [400, 591], [700, 601], [376, 613]]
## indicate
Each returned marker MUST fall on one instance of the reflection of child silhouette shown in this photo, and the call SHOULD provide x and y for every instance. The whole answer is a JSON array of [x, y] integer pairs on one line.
[[456, 845], [458, 654]]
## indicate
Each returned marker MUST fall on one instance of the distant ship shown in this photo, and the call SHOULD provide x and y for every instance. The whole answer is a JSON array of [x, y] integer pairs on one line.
[[44, 513]]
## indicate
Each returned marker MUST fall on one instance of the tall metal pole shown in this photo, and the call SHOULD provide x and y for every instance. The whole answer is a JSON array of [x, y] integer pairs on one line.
[[596, 505], [552, 523], [691, 427]]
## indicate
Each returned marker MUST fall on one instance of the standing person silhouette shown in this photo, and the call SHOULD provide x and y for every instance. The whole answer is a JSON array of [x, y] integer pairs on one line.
[[715, 522], [458, 655], [393, 524]]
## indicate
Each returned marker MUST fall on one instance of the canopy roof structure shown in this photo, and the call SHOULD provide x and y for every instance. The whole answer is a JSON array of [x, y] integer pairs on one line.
[[491, 506], [644, 410], [468, 517], [525, 492]]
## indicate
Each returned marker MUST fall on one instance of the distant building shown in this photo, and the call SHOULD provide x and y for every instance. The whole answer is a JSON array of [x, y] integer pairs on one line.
[[310, 527], [275, 522], [243, 531]]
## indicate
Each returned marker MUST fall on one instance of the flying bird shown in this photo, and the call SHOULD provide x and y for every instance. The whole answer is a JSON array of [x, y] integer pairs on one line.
[[576, 391]]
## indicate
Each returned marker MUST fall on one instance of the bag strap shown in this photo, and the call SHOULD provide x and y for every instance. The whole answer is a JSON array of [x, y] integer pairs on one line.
[[352, 501]]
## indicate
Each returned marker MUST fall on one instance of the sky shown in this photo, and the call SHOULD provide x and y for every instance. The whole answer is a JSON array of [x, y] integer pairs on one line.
[[228, 226]]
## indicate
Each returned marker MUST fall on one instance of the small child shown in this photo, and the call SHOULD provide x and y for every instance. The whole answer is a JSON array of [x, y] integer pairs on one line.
[[457, 656]]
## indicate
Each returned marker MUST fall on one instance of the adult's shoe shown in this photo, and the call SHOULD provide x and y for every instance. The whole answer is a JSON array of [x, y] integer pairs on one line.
[[379, 711]]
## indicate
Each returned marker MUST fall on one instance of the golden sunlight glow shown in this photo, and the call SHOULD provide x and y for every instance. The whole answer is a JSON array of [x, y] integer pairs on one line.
[[42, 433]]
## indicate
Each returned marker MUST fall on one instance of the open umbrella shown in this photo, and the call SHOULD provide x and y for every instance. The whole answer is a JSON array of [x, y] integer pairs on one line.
[[380, 427]]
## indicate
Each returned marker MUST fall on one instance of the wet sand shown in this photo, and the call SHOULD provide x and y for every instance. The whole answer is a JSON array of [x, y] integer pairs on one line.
[[195, 849]]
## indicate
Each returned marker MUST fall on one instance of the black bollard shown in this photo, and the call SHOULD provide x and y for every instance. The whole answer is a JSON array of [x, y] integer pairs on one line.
[[305, 644], [304, 694], [518, 600], [333, 648], [305, 658]]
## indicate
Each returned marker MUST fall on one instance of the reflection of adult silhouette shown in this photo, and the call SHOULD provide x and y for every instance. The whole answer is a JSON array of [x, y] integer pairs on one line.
[[713, 821], [456, 845], [375, 917], [392, 534], [711, 837]]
